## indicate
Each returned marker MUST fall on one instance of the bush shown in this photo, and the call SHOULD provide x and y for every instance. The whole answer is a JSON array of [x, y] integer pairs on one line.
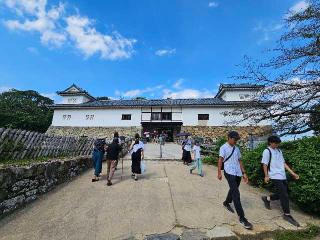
[[304, 157], [212, 159]]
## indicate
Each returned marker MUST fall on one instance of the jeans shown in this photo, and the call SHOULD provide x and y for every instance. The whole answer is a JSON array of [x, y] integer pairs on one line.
[[282, 194], [198, 165], [97, 157], [234, 193]]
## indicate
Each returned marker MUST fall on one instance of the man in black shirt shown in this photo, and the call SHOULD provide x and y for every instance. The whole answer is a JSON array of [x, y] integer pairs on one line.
[[113, 151]]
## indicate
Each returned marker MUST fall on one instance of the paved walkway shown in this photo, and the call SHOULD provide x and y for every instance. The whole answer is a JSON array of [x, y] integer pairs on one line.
[[170, 151], [167, 199]]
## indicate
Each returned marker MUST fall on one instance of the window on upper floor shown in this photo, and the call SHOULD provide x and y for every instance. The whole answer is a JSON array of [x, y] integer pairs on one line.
[[66, 117], [126, 117], [90, 117], [156, 116], [203, 116], [72, 100], [166, 116], [244, 96]]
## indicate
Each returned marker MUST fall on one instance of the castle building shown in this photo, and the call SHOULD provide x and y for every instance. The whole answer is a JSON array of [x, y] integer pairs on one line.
[[81, 114]]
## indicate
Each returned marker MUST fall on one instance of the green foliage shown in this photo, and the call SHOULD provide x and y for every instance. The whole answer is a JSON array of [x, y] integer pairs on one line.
[[304, 157], [26, 110], [314, 120], [309, 233], [212, 159]]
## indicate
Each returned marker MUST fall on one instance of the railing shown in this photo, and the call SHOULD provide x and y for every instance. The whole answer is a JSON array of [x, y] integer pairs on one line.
[[22, 144]]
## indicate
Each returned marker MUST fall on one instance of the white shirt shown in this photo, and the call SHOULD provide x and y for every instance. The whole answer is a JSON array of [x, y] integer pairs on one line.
[[232, 166], [136, 147], [277, 169], [187, 145], [196, 150]]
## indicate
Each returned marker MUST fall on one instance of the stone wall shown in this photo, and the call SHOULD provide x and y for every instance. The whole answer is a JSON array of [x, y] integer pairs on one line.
[[215, 132], [93, 132], [22, 184]]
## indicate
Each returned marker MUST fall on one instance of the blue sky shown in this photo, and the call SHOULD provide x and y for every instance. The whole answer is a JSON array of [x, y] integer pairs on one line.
[[129, 48]]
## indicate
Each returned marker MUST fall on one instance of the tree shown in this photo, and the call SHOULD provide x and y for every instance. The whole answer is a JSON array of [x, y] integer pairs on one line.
[[315, 120], [26, 110], [291, 77]]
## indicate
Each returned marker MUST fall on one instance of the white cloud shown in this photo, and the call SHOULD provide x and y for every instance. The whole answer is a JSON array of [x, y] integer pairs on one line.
[[138, 92], [165, 52], [213, 4], [188, 93], [52, 96], [178, 83], [89, 41], [35, 17], [5, 89], [56, 28], [267, 31], [299, 7]]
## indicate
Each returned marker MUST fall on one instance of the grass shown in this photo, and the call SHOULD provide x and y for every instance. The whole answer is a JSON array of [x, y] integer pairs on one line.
[[309, 233], [25, 162]]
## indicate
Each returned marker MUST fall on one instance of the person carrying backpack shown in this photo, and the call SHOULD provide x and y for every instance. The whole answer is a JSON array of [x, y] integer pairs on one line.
[[97, 157], [230, 162], [274, 167]]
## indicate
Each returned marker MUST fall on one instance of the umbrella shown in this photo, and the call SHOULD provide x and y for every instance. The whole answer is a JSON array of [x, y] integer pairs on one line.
[[183, 134], [146, 132]]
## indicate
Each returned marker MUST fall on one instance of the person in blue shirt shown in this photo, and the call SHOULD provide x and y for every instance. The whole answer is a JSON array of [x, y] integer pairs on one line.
[[274, 167], [97, 157], [230, 157]]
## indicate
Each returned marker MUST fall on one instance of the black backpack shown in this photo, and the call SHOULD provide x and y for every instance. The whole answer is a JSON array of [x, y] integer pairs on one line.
[[222, 166]]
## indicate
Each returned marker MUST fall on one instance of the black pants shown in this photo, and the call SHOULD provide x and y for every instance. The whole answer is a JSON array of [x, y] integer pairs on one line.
[[282, 194], [234, 193]]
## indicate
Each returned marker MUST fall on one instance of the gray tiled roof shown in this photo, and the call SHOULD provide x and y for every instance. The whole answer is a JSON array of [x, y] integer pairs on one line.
[[151, 102], [234, 86]]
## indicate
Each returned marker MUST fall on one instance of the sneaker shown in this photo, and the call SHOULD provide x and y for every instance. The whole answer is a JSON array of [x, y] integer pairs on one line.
[[228, 207], [245, 223], [266, 202], [201, 175], [291, 220], [109, 183], [95, 179]]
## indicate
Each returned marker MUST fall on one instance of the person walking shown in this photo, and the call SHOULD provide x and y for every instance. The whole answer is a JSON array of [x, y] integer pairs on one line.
[[137, 153], [230, 157], [186, 150], [113, 151], [197, 159], [274, 168], [117, 139], [97, 157]]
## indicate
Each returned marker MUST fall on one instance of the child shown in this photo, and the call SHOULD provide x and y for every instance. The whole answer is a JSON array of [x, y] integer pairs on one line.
[[233, 171], [274, 167], [197, 159]]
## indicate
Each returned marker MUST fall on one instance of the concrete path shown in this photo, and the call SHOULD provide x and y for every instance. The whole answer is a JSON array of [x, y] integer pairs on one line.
[[170, 151], [167, 199]]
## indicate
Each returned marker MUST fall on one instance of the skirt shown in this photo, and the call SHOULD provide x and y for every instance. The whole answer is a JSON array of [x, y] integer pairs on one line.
[[136, 162], [186, 156]]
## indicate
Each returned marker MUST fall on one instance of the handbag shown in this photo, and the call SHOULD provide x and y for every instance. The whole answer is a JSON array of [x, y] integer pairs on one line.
[[143, 166]]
